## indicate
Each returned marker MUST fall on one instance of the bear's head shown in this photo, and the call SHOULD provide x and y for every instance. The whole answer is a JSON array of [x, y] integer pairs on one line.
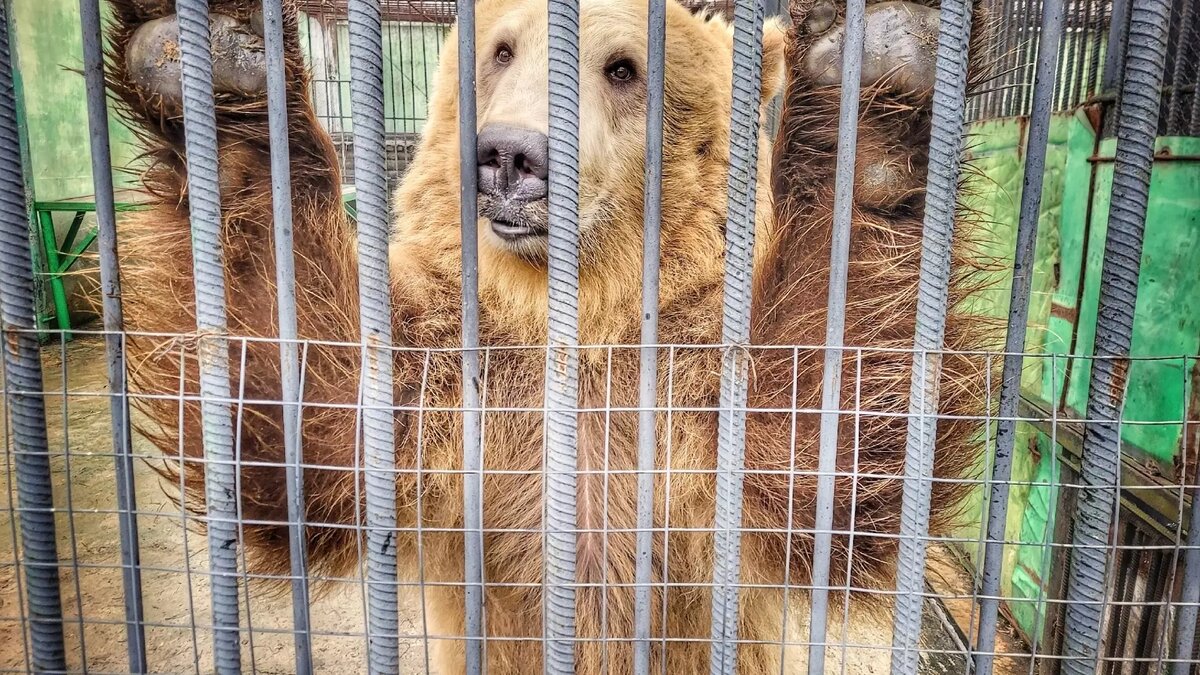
[[513, 106]]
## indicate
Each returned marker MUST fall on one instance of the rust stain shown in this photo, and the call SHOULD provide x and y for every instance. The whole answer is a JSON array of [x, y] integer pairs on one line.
[[1120, 375], [1064, 312], [1093, 112]]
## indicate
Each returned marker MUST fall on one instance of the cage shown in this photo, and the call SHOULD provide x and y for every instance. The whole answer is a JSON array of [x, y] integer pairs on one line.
[[283, 370]]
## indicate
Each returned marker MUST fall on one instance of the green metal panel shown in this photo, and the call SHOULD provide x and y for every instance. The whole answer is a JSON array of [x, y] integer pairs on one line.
[[1062, 317], [1167, 318]]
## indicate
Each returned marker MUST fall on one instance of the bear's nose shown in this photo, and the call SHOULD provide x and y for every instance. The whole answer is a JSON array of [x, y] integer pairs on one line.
[[513, 162]]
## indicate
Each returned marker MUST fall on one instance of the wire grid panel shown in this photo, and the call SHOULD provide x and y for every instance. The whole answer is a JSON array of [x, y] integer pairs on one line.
[[400, 499], [1142, 601]]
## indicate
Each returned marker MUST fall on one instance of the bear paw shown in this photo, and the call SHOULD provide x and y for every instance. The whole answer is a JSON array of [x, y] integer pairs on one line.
[[899, 49], [153, 57]]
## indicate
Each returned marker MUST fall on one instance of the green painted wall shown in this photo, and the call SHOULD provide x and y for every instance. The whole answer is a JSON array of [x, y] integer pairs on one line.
[[1061, 328], [49, 56]]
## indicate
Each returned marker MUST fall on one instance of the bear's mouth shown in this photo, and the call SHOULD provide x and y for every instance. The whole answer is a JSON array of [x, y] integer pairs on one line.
[[510, 231]]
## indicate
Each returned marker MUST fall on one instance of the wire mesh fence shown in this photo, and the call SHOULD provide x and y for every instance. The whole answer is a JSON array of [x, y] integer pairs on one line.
[[292, 449]]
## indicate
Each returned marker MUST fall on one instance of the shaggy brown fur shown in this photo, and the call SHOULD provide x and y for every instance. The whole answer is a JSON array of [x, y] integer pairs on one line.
[[791, 279]]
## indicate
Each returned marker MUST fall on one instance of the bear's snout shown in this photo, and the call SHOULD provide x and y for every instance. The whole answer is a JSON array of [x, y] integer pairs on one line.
[[513, 163]]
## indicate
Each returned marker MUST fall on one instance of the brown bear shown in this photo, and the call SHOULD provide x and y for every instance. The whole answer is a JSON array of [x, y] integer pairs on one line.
[[791, 262]]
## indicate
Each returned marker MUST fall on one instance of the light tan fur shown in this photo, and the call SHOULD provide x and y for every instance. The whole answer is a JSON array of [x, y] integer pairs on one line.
[[791, 270]]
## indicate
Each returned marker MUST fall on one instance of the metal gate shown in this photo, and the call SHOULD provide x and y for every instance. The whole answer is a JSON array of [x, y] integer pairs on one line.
[[1127, 604]]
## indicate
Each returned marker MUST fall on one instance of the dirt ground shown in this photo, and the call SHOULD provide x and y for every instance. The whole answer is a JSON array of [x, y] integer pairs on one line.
[[175, 585]]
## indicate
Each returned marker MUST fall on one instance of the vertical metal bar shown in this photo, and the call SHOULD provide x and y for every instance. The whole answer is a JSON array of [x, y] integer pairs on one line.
[[204, 202], [23, 386], [1137, 127], [1187, 51], [562, 358], [1114, 56], [472, 413], [735, 330], [647, 384], [110, 281], [1189, 599], [835, 328], [370, 182], [1014, 344], [289, 356], [941, 206]]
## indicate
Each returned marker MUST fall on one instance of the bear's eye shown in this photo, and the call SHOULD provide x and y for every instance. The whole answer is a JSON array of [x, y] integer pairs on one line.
[[620, 71], [503, 54]]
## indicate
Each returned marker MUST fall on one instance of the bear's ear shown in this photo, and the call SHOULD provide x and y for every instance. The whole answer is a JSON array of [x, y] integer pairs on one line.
[[774, 54]]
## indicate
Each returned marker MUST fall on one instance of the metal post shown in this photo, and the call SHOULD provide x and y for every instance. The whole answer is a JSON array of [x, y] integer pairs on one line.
[[735, 330], [648, 373], [562, 358], [835, 328], [370, 181], [285, 282], [1189, 599], [204, 203], [110, 281], [1018, 315], [1137, 128], [941, 206], [472, 410], [23, 386]]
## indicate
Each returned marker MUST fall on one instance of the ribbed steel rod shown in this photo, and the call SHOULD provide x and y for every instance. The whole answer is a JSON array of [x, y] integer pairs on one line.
[[1114, 54], [472, 413], [114, 351], [1187, 615], [648, 373], [204, 203], [370, 182], [1137, 127], [941, 206], [1014, 345], [835, 329], [735, 331], [289, 353], [23, 386], [562, 361]]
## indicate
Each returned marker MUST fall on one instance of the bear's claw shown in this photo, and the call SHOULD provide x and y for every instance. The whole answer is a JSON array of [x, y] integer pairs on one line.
[[153, 58], [899, 50]]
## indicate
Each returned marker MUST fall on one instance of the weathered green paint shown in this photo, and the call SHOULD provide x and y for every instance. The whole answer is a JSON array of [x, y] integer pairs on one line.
[[49, 44], [1167, 317], [1062, 317]]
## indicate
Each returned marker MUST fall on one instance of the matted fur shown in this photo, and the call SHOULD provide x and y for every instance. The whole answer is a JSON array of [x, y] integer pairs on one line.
[[791, 280]]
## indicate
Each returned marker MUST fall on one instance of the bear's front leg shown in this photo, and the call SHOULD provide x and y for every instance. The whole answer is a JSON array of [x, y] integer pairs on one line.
[[144, 66]]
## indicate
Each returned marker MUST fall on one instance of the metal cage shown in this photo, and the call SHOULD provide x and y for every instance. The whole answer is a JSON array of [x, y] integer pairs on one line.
[[1125, 557]]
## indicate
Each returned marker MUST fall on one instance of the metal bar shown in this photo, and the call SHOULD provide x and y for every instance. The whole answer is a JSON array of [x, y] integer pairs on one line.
[[23, 386], [1114, 56], [370, 182], [941, 206], [648, 373], [204, 203], [1137, 128], [735, 330], [562, 357], [110, 282], [835, 329], [1018, 315], [289, 353], [1189, 599], [1186, 50], [472, 410]]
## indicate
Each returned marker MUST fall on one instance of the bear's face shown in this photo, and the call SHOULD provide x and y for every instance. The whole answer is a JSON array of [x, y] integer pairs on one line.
[[513, 116]]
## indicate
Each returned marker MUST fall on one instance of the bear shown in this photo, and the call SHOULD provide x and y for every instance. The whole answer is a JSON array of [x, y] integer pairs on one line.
[[793, 230]]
